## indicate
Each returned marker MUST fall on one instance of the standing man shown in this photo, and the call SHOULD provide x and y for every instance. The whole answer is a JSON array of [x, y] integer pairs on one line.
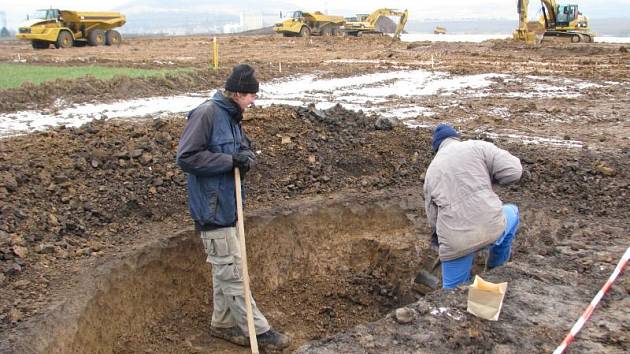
[[461, 206], [212, 145]]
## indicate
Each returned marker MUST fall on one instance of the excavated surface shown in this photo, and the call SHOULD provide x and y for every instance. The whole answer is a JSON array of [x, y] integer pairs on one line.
[[74, 199]]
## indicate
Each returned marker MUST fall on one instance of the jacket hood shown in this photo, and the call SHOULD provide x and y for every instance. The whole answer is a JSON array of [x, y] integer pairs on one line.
[[228, 105]]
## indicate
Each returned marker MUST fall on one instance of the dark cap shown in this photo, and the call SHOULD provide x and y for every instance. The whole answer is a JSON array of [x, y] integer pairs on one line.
[[242, 80]]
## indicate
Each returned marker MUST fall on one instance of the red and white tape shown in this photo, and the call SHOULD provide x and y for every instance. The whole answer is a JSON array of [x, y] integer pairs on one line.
[[591, 307]]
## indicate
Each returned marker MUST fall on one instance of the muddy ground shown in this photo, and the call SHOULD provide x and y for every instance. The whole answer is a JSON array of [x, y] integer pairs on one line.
[[74, 199]]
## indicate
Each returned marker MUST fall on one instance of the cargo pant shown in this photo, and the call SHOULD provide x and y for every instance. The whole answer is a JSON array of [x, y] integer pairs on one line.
[[224, 253]]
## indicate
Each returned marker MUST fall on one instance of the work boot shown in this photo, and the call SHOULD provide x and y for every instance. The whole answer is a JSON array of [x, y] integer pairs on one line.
[[230, 334], [272, 340]]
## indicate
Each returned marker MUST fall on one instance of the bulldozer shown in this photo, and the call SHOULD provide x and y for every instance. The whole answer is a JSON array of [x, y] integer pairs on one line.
[[304, 24], [439, 30], [363, 23], [557, 20], [66, 28]]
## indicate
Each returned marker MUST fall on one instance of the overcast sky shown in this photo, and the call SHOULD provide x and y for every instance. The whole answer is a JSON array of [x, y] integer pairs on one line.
[[419, 9]]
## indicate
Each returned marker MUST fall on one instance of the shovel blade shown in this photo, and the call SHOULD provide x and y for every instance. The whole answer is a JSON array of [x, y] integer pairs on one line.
[[425, 278]]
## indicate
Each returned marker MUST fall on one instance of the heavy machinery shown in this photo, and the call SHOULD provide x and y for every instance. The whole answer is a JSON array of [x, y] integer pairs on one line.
[[558, 20], [4, 31], [368, 23], [439, 30], [304, 24], [65, 28]]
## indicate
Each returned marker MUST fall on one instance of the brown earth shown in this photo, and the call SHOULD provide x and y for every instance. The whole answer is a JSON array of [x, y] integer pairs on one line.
[[80, 204]]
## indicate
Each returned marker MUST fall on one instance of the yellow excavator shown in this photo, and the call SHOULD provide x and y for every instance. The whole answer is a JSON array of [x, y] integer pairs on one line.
[[558, 20], [367, 23]]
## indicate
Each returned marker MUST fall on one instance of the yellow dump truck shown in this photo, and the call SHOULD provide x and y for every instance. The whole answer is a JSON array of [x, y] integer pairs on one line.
[[65, 28], [304, 24]]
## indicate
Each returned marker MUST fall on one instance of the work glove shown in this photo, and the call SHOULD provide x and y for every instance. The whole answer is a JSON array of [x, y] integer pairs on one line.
[[243, 161]]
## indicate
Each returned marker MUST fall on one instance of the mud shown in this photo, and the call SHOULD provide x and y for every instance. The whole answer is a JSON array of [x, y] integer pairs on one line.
[[90, 214]]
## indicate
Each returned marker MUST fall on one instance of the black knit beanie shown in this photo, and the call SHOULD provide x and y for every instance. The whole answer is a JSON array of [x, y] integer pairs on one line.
[[242, 80]]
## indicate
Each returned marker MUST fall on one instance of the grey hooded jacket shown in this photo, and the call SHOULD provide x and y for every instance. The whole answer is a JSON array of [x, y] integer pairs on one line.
[[459, 201]]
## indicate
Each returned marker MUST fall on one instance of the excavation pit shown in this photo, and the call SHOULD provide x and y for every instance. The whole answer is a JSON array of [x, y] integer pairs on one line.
[[316, 268]]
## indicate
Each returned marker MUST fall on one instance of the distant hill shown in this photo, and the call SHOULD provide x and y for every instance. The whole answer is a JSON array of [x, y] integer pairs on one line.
[[198, 16]]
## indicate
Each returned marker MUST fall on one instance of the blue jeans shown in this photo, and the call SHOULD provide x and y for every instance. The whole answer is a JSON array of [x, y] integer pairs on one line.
[[457, 271]]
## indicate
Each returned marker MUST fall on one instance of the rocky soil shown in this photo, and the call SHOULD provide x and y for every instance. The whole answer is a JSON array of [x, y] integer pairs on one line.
[[71, 198]]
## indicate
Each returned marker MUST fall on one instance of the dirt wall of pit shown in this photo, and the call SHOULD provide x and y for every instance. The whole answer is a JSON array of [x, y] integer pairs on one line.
[[288, 243]]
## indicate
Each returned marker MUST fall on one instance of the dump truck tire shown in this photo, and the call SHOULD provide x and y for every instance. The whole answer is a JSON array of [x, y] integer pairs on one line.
[[40, 44], [64, 40], [113, 38], [305, 32], [96, 37]]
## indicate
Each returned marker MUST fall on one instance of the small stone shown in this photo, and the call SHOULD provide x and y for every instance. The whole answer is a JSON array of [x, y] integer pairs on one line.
[[95, 163], [367, 341], [94, 246], [61, 178], [52, 219], [15, 315], [605, 170], [10, 183], [136, 153], [83, 252], [4, 237], [61, 253], [385, 123], [45, 248], [20, 251], [404, 315], [17, 240], [13, 269], [21, 284], [146, 158], [2, 278]]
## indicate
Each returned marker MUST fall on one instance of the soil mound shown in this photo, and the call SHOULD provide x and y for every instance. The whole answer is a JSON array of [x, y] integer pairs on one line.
[[72, 193]]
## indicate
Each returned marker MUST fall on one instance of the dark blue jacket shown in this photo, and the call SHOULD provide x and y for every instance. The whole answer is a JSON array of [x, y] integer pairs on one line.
[[211, 136]]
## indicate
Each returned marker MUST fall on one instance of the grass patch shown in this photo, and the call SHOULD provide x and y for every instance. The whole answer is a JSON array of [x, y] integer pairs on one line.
[[13, 75]]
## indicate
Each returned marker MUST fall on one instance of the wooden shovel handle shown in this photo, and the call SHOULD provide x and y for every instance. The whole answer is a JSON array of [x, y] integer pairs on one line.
[[240, 226]]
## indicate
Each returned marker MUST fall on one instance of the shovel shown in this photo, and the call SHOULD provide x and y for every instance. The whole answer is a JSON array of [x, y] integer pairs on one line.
[[426, 280], [253, 342]]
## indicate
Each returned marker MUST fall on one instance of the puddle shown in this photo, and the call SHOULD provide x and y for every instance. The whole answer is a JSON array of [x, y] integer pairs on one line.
[[398, 94]]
